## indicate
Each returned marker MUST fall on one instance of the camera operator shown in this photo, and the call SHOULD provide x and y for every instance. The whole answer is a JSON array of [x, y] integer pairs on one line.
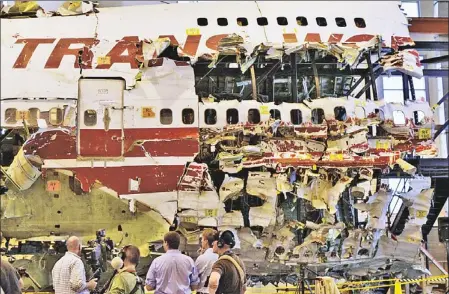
[[126, 281]]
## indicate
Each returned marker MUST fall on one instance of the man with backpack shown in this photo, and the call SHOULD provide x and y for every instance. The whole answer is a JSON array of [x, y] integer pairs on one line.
[[228, 272], [126, 280]]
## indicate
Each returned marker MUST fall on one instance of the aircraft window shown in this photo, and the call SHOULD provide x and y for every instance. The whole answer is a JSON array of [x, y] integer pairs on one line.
[[222, 21], [34, 116], [301, 21], [55, 116], [242, 21], [253, 116], [398, 118], [340, 113], [202, 22], [321, 21], [341, 22], [232, 116], [359, 22], [90, 117], [296, 116], [275, 114], [10, 115], [282, 21], [318, 116], [166, 116], [188, 116], [419, 117], [210, 116], [262, 21]]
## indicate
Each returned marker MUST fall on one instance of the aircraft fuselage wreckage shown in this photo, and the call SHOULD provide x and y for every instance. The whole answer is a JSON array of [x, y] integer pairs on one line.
[[134, 122]]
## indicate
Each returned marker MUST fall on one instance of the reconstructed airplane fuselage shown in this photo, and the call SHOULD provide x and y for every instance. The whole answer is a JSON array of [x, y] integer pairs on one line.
[[118, 115]]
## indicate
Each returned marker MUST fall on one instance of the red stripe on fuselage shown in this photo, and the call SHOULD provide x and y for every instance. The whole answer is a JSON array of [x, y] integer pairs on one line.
[[162, 142], [57, 144], [153, 179]]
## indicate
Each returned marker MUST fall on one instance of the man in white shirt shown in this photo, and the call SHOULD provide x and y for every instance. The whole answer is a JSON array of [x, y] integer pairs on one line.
[[69, 275], [205, 261]]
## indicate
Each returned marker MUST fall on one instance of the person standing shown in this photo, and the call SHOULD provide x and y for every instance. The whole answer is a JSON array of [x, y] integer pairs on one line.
[[228, 274], [172, 272], [69, 275], [205, 261], [9, 278], [127, 281]]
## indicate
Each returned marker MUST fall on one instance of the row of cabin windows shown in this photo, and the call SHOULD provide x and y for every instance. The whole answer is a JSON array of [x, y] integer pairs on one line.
[[282, 21], [232, 116], [55, 116]]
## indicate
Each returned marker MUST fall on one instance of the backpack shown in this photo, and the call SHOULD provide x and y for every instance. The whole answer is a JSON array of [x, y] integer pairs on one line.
[[237, 266], [139, 284]]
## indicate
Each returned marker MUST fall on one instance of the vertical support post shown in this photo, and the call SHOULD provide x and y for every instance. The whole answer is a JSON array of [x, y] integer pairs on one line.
[[412, 87], [294, 78], [372, 76], [447, 255], [315, 74], [299, 217], [368, 89], [253, 82], [397, 287], [426, 246], [405, 88], [302, 275]]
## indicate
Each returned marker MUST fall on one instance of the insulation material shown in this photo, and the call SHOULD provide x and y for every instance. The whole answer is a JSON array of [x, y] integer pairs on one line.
[[406, 61], [361, 190], [231, 188], [75, 7], [421, 206], [22, 172], [326, 285], [376, 207], [262, 185], [334, 193], [152, 49], [281, 244], [232, 219], [386, 247], [264, 215], [410, 234], [165, 203], [21, 6], [283, 184], [247, 239], [418, 199], [406, 167], [319, 235], [318, 192], [209, 208], [356, 142], [188, 216], [210, 217]]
